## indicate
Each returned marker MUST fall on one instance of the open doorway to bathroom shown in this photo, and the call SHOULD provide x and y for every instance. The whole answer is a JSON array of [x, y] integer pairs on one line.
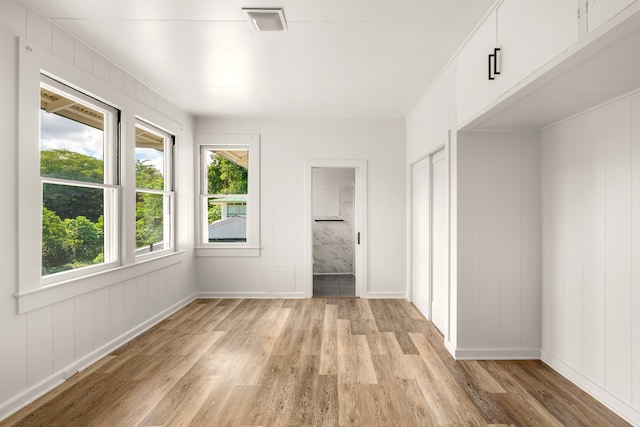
[[333, 231]]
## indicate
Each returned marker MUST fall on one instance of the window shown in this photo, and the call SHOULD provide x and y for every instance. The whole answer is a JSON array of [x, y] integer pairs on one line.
[[79, 181], [229, 212], [154, 189]]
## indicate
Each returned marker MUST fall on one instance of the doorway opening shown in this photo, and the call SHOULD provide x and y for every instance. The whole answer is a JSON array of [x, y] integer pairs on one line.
[[333, 231], [335, 211]]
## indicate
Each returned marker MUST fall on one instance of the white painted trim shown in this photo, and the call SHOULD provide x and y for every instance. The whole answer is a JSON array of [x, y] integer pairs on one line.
[[451, 348], [495, 353], [361, 250], [37, 390], [333, 274], [596, 391], [385, 295], [250, 295], [228, 252], [233, 141]]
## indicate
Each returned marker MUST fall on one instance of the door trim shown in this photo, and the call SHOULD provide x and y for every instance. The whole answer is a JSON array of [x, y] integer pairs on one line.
[[360, 223], [412, 257], [445, 149]]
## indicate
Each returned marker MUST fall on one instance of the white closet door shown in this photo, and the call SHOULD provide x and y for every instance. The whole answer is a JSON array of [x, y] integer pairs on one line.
[[421, 261], [439, 242]]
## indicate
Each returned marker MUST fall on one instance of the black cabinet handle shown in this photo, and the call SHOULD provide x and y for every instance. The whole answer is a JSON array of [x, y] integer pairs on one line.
[[493, 64], [490, 62], [358, 237]]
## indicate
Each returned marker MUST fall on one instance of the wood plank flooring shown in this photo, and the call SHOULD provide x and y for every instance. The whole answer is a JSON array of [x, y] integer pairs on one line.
[[312, 362]]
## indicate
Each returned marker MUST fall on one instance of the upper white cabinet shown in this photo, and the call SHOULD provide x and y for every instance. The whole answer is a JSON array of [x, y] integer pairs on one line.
[[600, 11], [533, 32], [474, 90], [529, 33]]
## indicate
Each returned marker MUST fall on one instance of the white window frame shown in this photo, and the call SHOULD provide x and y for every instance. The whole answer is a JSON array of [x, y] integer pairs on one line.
[[110, 185], [31, 294], [229, 142], [168, 192]]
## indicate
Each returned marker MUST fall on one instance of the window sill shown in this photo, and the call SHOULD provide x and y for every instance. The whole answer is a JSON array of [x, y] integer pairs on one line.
[[227, 252], [60, 291]]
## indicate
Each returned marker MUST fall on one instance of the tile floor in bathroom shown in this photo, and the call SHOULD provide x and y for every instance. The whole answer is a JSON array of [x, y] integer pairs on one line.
[[334, 285]]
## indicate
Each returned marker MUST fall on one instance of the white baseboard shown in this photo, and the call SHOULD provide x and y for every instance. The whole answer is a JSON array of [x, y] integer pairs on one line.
[[495, 353], [621, 408], [37, 390], [384, 295], [249, 295], [333, 274]]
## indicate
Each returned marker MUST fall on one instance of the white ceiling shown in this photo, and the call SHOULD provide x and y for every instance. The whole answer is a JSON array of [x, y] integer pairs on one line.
[[339, 59]]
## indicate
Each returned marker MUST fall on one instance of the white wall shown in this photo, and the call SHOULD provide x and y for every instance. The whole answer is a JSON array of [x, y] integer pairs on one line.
[[284, 147], [38, 346], [429, 122], [591, 251], [498, 245]]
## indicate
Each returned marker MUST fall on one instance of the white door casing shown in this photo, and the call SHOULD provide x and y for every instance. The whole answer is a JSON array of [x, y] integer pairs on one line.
[[421, 239], [439, 242], [360, 222]]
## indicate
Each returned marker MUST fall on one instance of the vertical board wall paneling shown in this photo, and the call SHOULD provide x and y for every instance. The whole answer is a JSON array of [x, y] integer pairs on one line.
[[546, 186], [39, 344], [39, 29], [279, 197], [488, 280], [163, 299], [572, 241], [618, 248], [498, 244], [510, 239], [592, 147], [63, 334], [553, 284], [116, 311], [101, 301], [142, 299], [294, 212], [62, 44], [267, 171], [130, 85], [635, 284], [84, 325], [130, 304], [116, 79], [530, 246], [152, 293], [101, 68], [83, 57], [591, 182], [468, 242]]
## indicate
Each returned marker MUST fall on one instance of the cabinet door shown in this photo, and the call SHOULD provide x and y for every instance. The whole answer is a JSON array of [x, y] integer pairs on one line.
[[531, 33], [600, 11], [474, 89]]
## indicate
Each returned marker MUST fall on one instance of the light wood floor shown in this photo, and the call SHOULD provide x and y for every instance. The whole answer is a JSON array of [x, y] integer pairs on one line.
[[306, 362]]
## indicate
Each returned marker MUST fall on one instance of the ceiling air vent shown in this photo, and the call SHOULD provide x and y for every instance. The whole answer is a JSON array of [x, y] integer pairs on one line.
[[266, 19]]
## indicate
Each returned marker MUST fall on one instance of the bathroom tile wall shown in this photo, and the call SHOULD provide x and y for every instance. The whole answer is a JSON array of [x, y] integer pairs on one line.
[[333, 240]]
